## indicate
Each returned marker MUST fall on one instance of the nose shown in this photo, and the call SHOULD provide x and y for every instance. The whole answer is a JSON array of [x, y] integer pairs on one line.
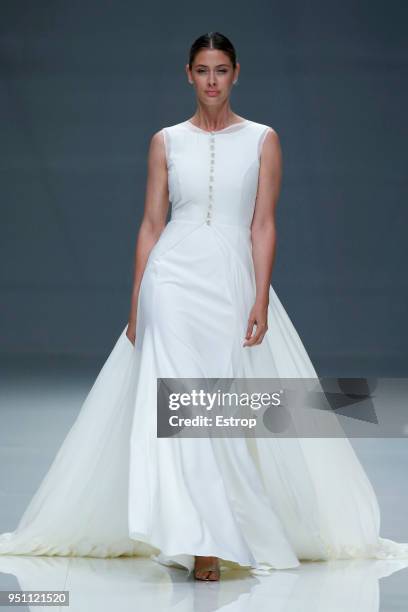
[[211, 78]]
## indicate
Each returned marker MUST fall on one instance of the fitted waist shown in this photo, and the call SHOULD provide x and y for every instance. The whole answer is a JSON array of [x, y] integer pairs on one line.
[[196, 215]]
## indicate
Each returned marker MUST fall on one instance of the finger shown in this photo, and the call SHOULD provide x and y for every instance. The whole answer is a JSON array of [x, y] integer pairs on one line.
[[250, 328], [258, 337], [261, 338], [131, 338], [265, 329], [249, 333], [252, 339]]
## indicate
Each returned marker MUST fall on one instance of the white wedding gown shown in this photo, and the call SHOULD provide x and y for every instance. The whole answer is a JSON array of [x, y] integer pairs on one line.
[[115, 489]]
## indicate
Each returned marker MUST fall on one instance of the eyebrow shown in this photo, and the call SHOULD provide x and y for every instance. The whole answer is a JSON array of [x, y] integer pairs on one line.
[[205, 65]]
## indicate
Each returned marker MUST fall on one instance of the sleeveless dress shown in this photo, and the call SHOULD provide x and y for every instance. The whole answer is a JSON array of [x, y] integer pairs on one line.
[[114, 488]]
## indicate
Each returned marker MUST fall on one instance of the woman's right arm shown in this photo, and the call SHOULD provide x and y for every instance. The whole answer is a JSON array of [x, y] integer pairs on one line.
[[154, 220]]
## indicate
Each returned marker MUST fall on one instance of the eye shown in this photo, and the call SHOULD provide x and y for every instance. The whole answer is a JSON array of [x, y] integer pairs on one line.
[[201, 70]]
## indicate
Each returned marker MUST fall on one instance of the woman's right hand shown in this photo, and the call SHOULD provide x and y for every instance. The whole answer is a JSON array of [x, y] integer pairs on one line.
[[131, 332]]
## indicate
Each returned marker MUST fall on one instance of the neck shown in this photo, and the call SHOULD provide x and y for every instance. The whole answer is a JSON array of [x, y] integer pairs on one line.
[[214, 119]]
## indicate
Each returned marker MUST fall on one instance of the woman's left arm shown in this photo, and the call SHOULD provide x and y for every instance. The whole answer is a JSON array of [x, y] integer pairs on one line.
[[263, 234]]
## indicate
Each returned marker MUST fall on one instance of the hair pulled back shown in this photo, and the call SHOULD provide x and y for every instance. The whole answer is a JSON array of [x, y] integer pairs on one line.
[[213, 40]]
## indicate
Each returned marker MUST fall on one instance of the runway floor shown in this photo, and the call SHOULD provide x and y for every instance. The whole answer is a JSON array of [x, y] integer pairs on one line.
[[39, 400]]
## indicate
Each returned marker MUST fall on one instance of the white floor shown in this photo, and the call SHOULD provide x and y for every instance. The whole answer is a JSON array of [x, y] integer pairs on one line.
[[99, 585], [38, 403]]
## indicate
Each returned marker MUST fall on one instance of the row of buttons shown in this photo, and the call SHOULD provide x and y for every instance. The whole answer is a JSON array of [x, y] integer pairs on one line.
[[210, 186]]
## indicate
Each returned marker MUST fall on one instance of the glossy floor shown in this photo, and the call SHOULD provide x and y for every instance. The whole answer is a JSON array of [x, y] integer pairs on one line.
[[38, 403]]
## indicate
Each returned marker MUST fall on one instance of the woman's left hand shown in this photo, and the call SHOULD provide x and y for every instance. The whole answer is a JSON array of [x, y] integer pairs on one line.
[[259, 317]]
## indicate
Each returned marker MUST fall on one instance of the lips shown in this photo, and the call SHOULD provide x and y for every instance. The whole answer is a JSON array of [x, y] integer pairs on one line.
[[212, 92]]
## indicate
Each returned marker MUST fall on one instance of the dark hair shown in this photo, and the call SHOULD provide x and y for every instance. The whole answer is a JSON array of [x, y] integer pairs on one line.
[[213, 40]]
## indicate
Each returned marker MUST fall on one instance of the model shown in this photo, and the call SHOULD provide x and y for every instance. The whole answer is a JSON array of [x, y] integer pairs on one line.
[[202, 306]]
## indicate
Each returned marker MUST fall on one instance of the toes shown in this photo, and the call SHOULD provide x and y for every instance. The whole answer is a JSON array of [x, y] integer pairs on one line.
[[202, 574], [206, 573]]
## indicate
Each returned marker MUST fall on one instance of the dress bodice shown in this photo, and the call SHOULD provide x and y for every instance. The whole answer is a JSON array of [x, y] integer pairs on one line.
[[213, 176]]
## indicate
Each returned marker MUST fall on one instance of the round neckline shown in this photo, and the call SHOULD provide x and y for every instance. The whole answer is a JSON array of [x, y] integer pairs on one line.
[[235, 125]]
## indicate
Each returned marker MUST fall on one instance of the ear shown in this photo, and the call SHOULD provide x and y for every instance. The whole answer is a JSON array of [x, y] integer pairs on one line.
[[236, 72], [188, 72]]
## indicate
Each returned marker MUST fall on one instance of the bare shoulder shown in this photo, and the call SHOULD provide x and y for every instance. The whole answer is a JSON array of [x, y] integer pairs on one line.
[[157, 150], [271, 147], [271, 137], [157, 139]]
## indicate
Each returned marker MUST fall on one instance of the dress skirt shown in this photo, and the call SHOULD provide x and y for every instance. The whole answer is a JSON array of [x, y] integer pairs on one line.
[[115, 488]]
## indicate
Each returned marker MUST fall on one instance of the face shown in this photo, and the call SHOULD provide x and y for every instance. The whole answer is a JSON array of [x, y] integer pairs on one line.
[[213, 75]]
